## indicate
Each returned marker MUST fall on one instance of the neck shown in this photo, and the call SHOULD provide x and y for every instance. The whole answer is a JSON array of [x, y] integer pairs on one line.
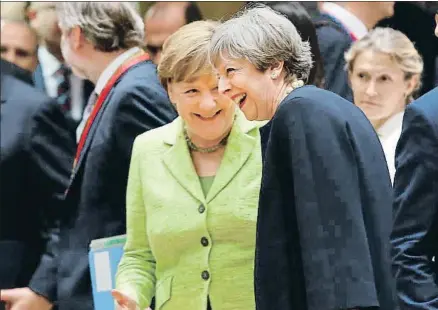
[[283, 90], [104, 60], [362, 12]]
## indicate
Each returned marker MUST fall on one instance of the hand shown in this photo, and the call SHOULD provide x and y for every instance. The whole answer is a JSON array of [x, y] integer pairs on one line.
[[24, 299], [124, 302]]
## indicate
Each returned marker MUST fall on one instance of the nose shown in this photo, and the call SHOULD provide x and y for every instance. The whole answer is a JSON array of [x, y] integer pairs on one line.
[[208, 102], [223, 85], [371, 89]]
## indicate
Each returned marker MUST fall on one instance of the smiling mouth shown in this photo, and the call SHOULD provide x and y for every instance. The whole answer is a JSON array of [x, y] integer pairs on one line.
[[208, 118], [240, 100]]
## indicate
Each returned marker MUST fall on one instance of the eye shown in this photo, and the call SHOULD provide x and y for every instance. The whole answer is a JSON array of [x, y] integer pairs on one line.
[[3, 49], [230, 70], [22, 53], [385, 78], [361, 75], [191, 91]]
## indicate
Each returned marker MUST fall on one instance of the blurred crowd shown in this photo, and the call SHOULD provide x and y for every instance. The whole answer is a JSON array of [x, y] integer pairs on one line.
[[90, 90]]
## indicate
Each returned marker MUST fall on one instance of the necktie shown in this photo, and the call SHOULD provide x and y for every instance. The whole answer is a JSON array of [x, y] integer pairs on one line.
[[64, 95], [87, 111]]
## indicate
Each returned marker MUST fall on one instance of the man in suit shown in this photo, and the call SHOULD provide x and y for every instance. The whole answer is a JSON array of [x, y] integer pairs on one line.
[[415, 233], [35, 162], [127, 105], [19, 44], [340, 24], [52, 75], [163, 19]]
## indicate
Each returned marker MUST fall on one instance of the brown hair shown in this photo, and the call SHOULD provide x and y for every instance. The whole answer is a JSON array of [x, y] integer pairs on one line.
[[185, 53]]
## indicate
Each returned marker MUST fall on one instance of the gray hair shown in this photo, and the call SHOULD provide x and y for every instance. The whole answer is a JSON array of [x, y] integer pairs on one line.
[[264, 37], [109, 26]]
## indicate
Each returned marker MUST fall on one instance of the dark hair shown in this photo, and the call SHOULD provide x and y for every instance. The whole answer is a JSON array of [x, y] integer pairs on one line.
[[298, 16], [192, 13]]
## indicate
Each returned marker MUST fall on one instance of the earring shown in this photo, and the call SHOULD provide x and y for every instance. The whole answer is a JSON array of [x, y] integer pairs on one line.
[[274, 75]]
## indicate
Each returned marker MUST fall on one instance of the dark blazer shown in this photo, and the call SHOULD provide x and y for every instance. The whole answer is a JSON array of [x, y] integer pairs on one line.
[[96, 197], [35, 162], [334, 40], [415, 234], [325, 209], [7, 67]]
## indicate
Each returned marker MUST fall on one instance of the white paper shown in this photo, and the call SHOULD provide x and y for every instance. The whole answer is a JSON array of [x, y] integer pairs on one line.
[[102, 269]]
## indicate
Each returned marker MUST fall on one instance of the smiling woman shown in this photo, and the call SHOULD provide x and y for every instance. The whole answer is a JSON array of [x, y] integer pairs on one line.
[[200, 177]]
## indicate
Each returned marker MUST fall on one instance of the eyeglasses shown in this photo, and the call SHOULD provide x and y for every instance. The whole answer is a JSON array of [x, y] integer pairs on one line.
[[153, 50]]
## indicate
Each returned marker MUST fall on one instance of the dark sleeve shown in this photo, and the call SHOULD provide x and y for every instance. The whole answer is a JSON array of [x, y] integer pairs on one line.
[[142, 108], [415, 231], [51, 149], [333, 45], [310, 205]]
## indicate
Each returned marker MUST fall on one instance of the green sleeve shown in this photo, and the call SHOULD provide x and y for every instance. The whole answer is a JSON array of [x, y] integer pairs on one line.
[[136, 272]]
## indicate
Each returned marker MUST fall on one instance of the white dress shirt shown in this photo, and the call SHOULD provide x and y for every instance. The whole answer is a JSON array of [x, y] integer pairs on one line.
[[389, 133], [50, 66], [104, 77], [350, 21]]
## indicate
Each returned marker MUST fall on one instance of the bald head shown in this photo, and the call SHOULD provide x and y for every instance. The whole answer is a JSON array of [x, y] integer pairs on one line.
[[19, 44], [165, 18]]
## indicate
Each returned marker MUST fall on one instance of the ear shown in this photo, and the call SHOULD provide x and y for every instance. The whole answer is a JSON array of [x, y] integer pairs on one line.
[[171, 93], [76, 38], [275, 70], [411, 84]]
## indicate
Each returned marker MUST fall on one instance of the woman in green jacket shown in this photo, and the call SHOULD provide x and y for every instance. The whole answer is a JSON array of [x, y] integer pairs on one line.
[[192, 193]]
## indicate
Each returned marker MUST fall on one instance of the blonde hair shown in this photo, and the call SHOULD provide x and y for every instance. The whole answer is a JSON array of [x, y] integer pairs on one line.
[[185, 53], [395, 44]]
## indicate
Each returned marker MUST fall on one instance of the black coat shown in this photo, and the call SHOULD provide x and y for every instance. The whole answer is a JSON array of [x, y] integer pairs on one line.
[[96, 198], [36, 158], [325, 209], [334, 40], [415, 234]]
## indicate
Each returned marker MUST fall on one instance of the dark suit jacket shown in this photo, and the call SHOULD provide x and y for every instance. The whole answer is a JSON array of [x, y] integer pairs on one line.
[[333, 42], [9, 68], [325, 209], [415, 234], [96, 197], [35, 163]]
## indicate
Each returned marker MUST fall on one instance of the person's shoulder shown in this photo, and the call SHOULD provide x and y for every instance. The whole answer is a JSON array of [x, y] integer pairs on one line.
[[427, 106], [328, 30], [157, 138], [315, 103], [23, 94]]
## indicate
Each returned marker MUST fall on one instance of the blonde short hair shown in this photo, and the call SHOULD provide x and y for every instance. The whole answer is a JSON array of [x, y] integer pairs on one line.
[[185, 53], [393, 43]]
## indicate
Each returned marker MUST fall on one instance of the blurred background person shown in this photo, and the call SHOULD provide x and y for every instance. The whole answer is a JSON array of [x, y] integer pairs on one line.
[[19, 44], [36, 156], [415, 234], [163, 19], [52, 75], [100, 40], [416, 21], [385, 71], [298, 16], [340, 24]]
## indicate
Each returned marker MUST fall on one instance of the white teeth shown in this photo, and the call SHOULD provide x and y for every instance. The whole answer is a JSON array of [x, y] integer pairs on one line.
[[239, 99]]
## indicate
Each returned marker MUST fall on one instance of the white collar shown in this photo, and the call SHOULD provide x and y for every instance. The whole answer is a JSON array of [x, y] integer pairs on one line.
[[346, 18], [49, 63], [392, 125], [112, 68]]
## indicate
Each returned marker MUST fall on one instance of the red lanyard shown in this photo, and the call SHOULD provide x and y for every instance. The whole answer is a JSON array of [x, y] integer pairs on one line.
[[101, 99]]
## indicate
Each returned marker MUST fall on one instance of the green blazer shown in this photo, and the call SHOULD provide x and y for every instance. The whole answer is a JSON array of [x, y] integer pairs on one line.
[[182, 247]]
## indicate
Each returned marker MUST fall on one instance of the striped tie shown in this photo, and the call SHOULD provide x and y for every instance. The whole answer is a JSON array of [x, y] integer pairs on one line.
[[64, 98]]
